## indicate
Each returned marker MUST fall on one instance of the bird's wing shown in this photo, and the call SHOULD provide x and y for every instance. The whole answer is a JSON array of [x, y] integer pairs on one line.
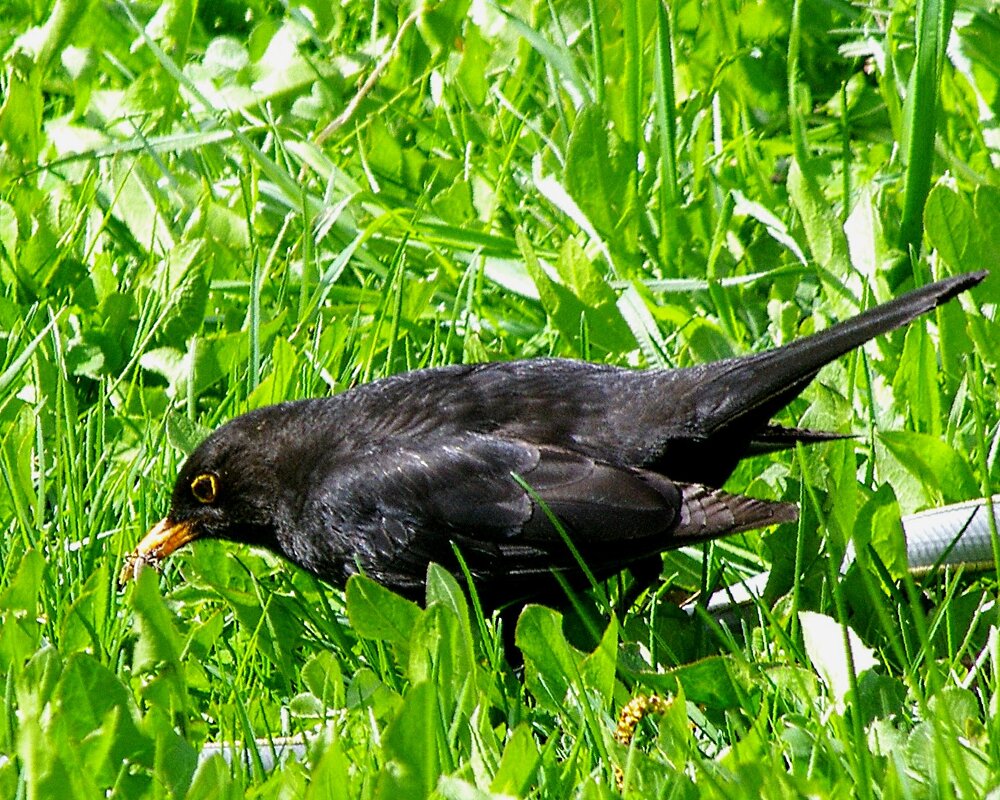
[[404, 507]]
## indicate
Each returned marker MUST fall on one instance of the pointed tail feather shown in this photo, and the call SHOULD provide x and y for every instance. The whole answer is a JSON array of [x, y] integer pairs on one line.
[[777, 376], [775, 438]]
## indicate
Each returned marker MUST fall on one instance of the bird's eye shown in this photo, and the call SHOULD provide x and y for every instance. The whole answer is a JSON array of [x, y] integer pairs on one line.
[[205, 487]]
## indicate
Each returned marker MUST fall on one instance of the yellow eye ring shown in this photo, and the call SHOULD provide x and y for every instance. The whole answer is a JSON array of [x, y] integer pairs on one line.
[[205, 487]]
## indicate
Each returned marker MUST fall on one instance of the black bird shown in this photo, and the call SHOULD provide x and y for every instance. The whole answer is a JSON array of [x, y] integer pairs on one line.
[[386, 477]]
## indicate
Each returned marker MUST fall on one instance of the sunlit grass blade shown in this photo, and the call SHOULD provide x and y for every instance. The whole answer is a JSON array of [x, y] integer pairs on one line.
[[920, 113]]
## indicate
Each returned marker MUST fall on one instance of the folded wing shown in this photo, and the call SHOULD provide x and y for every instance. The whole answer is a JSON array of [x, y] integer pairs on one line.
[[413, 503]]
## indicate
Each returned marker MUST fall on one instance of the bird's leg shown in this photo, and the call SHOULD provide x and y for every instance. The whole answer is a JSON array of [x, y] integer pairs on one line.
[[645, 574]]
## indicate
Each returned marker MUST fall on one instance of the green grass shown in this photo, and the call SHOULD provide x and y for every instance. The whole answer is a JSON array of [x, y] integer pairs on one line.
[[231, 205]]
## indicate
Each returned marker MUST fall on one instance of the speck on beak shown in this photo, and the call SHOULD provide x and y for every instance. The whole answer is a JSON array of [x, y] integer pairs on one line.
[[162, 539]]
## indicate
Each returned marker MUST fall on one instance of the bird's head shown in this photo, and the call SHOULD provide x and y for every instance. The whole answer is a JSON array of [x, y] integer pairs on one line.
[[236, 485]]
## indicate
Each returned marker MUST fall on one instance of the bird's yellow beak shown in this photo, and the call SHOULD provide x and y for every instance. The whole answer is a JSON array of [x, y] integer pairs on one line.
[[163, 538]]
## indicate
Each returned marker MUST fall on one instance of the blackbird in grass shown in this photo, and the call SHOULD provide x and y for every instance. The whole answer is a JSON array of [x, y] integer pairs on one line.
[[395, 474]]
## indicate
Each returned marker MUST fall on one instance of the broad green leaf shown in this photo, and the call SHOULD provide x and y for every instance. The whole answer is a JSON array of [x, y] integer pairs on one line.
[[411, 747], [44, 765], [707, 341], [24, 590], [451, 788], [212, 780], [280, 637], [37, 681], [878, 524], [827, 242], [951, 228], [957, 705], [442, 655], [174, 759], [366, 691], [934, 463], [471, 74], [580, 298], [915, 385], [716, 681], [385, 150], [85, 359], [96, 712], [278, 628], [225, 58], [157, 654], [277, 386], [8, 229], [561, 677], [176, 269], [580, 275], [202, 638], [136, 205], [598, 668], [880, 697], [20, 626], [323, 677], [170, 363], [21, 110], [171, 26], [9, 776], [598, 178], [331, 777], [986, 202], [87, 691], [184, 433], [185, 274], [455, 204], [378, 613], [50, 759], [441, 24], [866, 242], [518, 763], [306, 705], [208, 359], [551, 664], [158, 643], [221, 226], [444, 589], [512, 275]]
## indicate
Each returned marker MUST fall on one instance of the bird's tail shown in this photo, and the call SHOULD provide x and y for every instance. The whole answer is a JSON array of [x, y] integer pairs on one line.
[[756, 387]]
